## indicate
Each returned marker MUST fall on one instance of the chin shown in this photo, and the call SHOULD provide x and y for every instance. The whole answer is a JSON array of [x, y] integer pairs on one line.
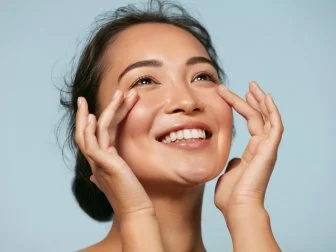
[[196, 175]]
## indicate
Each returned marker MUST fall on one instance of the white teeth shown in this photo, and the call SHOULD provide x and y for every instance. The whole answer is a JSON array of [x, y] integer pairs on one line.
[[195, 133], [180, 134], [173, 136], [187, 134], [184, 134]]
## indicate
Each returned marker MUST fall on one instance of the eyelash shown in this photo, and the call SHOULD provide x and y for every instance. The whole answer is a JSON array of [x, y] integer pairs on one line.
[[209, 75], [140, 79], [146, 77]]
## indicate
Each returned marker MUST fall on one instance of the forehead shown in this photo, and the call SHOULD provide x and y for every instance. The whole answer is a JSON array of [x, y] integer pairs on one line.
[[164, 42]]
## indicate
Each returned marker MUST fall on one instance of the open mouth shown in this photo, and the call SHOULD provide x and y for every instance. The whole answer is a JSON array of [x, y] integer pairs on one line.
[[185, 135]]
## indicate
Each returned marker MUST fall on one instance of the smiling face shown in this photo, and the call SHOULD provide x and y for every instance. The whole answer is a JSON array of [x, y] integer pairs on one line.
[[177, 87]]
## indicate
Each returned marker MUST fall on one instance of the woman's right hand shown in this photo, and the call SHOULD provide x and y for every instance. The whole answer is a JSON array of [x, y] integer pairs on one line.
[[96, 140]]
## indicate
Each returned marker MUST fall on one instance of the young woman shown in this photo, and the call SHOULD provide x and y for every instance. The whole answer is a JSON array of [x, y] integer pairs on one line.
[[153, 123]]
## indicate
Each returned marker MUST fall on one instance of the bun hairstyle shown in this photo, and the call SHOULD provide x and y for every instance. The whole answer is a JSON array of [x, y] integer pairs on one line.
[[86, 78]]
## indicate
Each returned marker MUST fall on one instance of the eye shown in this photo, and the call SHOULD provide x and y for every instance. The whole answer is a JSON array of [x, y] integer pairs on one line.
[[143, 81], [205, 77]]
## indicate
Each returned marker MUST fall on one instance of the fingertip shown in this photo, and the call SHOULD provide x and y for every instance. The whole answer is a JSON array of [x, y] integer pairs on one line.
[[117, 94], [269, 102], [131, 93], [132, 96], [91, 120], [82, 106], [79, 102], [222, 89], [253, 84], [93, 179]]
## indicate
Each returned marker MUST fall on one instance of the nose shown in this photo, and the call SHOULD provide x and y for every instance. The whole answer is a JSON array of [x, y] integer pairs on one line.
[[183, 99]]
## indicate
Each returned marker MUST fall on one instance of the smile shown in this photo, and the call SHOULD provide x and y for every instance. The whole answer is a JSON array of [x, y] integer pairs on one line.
[[190, 130], [192, 135], [184, 135]]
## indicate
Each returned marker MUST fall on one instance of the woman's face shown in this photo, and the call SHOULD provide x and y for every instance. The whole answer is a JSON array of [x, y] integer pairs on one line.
[[177, 87]]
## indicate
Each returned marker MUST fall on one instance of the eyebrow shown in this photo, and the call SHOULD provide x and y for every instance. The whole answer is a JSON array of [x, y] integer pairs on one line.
[[157, 63]]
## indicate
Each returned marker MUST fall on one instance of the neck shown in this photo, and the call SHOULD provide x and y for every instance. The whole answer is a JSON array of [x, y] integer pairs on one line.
[[179, 218]]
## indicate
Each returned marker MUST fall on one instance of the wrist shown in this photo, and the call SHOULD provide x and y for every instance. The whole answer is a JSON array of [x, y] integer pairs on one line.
[[244, 216], [147, 214], [140, 231], [250, 230]]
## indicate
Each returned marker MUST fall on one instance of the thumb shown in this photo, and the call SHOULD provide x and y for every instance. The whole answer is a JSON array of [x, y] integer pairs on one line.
[[94, 180], [226, 184], [233, 163]]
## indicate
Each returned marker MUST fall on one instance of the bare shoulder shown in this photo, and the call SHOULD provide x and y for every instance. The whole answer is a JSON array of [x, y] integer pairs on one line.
[[91, 248], [101, 247]]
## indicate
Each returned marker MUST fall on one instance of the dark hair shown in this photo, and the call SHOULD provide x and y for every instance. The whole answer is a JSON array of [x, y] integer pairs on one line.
[[86, 79]]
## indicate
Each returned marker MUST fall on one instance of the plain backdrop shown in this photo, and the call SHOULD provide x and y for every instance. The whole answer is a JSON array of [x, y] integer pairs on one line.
[[287, 46]]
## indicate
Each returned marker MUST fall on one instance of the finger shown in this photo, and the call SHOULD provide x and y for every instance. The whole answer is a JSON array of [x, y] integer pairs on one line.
[[130, 100], [256, 90], [257, 106], [253, 117], [252, 101], [256, 177], [91, 143], [110, 120], [94, 180], [113, 175], [227, 181], [81, 122], [101, 158], [105, 119], [259, 95], [277, 127]]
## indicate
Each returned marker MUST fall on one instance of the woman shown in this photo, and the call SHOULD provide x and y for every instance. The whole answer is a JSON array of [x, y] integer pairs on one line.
[[153, 123]]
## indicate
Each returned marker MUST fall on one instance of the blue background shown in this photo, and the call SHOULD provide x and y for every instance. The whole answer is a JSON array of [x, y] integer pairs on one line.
[[287, 46]]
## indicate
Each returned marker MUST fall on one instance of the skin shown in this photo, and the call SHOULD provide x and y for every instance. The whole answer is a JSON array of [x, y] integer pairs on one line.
[[156, 191]]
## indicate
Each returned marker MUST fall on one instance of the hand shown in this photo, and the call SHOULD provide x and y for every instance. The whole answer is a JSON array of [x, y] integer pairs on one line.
[[243, 185], [111, 174]]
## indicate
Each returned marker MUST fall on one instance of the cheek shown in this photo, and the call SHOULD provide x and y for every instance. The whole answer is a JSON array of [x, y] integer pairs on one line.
[[223, 115], [133, 139], [139, 120], [223, 111], [220, 109]]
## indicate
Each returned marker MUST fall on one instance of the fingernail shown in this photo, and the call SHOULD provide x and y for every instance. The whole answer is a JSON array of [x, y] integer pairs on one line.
[[117, 94], [79, 101], [254, 83], [131, 93], [89, 118]]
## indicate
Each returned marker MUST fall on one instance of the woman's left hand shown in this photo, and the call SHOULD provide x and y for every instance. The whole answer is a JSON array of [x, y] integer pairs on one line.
[[243, 185]]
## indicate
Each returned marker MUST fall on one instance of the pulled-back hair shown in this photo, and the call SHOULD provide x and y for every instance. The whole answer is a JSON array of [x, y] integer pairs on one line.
[[86, 79]]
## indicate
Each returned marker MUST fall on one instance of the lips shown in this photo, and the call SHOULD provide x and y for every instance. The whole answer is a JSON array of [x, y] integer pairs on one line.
[[188, 125]]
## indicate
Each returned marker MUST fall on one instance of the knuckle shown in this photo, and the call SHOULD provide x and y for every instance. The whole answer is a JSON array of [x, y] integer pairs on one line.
[[281, 128], [100, 126], [77, 139], [87, 131], [90, 152], [256, 113]]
